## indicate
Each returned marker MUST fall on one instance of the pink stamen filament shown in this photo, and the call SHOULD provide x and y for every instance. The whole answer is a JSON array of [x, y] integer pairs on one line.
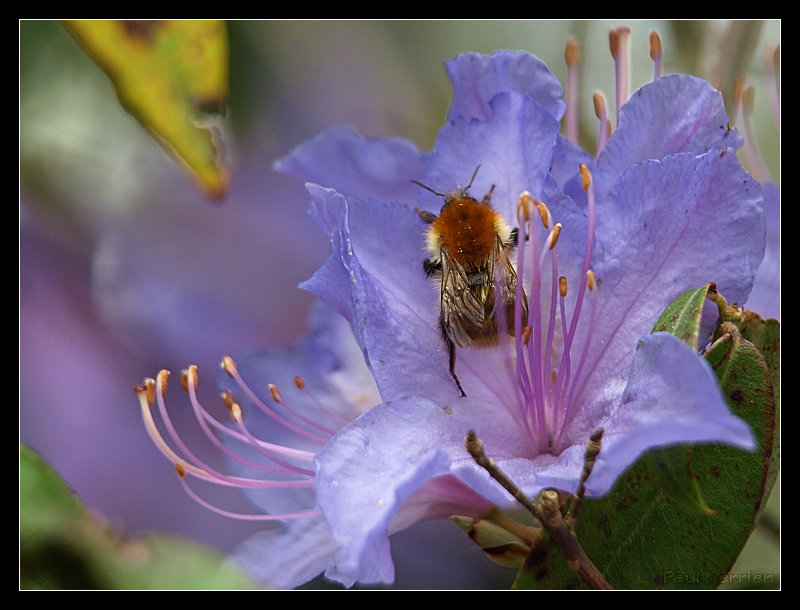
[[342, 420], [191, 388], [547, 402], [243, 516], [298, 454], [550, 247], [305, 419], [234, 374], [572, 56], [564, 367], [523, 339], [656, 54], [603, 127], [188, 463], [619, 40], [520, 378], [194, 465], [744, 101], [591, 213], [505, 347], [534, 353], [581, 362], [771, 69], [197, 467], [268, 450]]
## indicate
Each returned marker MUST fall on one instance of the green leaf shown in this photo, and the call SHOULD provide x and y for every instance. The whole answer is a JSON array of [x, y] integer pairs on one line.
[[544, 566], [766, 336], [63, 546], [671, 467], [167, 74], [747, 384], [48, 501], [682, 317]]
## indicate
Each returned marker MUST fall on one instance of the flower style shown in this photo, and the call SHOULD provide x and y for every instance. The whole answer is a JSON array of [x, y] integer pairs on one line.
[[668, 207]]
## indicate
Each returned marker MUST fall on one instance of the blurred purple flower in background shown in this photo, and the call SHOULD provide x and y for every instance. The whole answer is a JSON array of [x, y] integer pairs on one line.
[[765, 297]]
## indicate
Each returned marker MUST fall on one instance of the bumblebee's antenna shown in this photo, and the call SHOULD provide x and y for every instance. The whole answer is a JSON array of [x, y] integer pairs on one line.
[[466, 188], [427, 188], [475, 173]]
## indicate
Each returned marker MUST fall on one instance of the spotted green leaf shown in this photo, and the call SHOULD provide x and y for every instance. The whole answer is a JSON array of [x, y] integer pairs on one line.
[[682, 317]]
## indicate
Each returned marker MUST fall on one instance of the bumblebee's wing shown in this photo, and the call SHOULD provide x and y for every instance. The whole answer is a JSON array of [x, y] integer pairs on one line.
[[503, 272], [466, 309], [505, 276]]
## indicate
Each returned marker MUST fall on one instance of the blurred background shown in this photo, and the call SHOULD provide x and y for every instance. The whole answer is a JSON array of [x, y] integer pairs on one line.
[[126, 267]]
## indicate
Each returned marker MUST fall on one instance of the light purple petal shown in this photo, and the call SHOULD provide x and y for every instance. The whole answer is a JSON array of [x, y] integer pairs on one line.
[[285, 558], [765, 298], [390, 451], [513, 146], [375, 279], [681, 221], [672, 396], [440, 497], [401, 452], [567, 159], [355, 166], [668, 226], [675, 113], [478, 78]]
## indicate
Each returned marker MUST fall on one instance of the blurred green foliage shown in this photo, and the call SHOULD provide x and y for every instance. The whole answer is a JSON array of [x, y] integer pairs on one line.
[[63, 546]]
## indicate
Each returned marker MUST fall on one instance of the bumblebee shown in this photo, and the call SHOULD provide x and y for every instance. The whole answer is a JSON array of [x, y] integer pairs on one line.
[[470, 246]]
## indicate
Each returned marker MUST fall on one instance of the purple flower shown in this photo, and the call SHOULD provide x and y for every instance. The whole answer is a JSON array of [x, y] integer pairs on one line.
[[668, 208], [357, 432]]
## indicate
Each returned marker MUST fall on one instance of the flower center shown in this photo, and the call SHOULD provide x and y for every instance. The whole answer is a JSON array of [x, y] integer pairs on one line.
[[550, 348]]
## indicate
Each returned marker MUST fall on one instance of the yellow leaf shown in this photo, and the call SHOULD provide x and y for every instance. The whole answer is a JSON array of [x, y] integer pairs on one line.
[[167, 74]]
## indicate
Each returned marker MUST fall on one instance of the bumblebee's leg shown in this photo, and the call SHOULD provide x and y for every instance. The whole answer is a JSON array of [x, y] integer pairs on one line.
[[431, 266], [451, 349], [428, 217], [513, 239]]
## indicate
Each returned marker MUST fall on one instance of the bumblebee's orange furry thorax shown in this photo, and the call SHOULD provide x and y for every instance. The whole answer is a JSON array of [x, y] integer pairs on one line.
[[468, 229]]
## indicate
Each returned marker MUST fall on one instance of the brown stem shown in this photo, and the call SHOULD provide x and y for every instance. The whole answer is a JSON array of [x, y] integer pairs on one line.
[[546, 510], [592, 451]]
